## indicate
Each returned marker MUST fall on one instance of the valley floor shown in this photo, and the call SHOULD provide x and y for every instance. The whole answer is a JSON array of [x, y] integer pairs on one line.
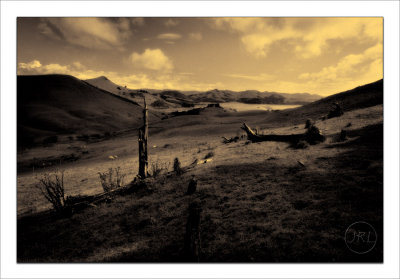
[[261, 202]]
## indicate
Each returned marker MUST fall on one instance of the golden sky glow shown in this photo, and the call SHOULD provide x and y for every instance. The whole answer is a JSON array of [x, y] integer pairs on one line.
[[291, 55]]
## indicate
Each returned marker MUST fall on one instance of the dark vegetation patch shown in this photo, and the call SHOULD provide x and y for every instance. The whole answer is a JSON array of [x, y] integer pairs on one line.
[[273, 99], [195, 111], [159, 104]]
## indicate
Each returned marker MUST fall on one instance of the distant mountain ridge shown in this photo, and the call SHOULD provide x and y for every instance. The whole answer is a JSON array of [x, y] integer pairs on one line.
[[211, 96]]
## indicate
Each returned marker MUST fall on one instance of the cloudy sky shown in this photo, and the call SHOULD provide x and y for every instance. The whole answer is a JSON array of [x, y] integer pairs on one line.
[[315, 55]]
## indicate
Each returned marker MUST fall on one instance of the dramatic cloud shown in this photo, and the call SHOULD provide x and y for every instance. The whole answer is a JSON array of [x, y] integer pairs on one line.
[[96, 33], [309, 35], [169, 36], [75, 69], [196, 36], [153, 59], [367, 63], [158, 80], [35, 64], [316, 55]]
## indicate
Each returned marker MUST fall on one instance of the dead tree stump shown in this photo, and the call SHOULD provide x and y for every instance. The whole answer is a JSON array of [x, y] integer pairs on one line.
[[192, 236], [143, 136]]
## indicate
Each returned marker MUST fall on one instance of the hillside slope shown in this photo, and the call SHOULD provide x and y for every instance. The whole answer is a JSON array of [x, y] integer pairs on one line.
[[106, 84], [360, 97], [59, 104]]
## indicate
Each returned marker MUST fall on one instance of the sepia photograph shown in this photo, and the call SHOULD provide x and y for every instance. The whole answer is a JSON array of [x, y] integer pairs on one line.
[[215, 140], [200, 139]]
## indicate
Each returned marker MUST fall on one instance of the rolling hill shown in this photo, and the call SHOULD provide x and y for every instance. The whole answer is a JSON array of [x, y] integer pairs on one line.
[[51, 105], [357, 98], [106, 84]]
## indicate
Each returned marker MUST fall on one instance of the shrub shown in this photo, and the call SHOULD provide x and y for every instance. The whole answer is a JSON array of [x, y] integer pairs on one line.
[[177, 167], [157, 168], [110, 180], [52, 188], [209, 155], [159, 103]]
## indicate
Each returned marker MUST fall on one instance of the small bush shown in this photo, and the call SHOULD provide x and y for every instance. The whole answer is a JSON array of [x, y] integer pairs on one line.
[[157, 168], [52, 188], [177, 167], [159, 103], [209, 155], [112, 179]]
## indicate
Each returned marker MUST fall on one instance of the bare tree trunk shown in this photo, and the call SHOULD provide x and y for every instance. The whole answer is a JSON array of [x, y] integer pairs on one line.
[[143, 136], [312, 136]]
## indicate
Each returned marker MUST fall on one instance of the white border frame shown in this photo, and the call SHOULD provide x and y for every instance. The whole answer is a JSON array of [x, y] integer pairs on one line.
[[388, 9]]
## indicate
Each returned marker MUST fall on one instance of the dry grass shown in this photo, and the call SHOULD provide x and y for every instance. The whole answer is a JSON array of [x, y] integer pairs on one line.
[[259, 204]]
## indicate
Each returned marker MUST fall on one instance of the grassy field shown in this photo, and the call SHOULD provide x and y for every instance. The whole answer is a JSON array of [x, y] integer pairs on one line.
[[261, 202]]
